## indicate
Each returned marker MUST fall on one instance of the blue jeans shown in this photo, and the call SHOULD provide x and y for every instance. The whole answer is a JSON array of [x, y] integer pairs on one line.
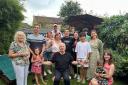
[[64, 74]]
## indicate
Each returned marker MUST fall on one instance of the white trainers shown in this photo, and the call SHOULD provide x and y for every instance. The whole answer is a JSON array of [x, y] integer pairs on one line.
[[78, 77], [45, 74], [69, 77], [83, 82], [75, 76], [49, 71], [79, 80]]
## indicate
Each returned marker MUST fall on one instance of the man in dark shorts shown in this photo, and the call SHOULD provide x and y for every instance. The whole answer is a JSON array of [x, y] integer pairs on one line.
[[62, 60]]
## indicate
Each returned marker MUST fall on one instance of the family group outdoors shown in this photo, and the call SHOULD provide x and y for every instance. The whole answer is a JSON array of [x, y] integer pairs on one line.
[[79, 51]]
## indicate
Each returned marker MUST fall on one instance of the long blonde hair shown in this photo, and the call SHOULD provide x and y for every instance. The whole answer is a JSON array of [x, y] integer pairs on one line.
[[19, 33]]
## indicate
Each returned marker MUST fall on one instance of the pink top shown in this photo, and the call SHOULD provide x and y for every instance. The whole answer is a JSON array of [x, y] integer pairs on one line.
[[107, 68]]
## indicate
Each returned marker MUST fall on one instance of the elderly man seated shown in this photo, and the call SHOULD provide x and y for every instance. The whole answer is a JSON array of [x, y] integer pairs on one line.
[[62, 61]]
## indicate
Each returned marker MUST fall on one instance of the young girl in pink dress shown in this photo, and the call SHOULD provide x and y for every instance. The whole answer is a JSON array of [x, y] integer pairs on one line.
[[37, 66], [109, 68]]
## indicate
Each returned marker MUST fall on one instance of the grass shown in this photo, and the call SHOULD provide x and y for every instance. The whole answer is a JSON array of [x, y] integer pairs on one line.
[[50, 82], [73, 82]]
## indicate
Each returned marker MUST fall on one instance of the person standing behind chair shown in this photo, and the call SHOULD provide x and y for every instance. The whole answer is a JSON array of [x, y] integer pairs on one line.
[[96, 55], [68, 41], [19, 53]]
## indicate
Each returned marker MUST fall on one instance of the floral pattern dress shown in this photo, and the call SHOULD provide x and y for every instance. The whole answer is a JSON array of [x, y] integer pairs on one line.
[[97, 53], [37, 66]]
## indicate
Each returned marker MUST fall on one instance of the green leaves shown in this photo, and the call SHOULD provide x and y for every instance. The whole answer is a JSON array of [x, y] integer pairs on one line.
[[114, 33], [10, 20], [70, 8]]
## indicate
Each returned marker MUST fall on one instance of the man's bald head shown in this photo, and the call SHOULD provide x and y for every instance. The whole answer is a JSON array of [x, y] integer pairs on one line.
[[62, 47]]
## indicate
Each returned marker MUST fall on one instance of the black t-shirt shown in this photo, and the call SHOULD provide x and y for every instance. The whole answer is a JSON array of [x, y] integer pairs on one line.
[[62, 61], [68, 42]]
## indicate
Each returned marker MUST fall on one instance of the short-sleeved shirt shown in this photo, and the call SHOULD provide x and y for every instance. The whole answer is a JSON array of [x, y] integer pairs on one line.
[[36, 41], [16, 48], [68, 42], [82, 49], [62, 61], [88, 38]]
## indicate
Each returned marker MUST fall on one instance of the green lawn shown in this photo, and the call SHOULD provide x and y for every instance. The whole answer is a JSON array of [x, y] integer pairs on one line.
[[73, 82]]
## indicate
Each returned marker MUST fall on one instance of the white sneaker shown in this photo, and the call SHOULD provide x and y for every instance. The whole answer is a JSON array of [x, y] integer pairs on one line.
[[49, 71], [45, 74], [78, 77], [83, 82], [69, 77], [75, 76], [79, 80]]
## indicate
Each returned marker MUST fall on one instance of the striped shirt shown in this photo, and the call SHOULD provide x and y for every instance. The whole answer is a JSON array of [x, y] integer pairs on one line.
[[36, 41]]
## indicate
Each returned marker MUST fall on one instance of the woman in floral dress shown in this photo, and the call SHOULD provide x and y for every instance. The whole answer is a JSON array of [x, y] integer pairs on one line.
[[96, 55]]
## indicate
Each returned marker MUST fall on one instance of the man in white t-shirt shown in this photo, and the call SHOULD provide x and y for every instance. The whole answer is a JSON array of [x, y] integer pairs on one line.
[[83, 51]]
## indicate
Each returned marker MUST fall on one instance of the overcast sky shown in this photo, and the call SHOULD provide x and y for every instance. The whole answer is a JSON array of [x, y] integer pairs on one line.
[[51, 8]]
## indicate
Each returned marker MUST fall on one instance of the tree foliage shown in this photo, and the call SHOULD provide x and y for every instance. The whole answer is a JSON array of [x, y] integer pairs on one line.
[[114, 33], [10, 20], [70, 8]]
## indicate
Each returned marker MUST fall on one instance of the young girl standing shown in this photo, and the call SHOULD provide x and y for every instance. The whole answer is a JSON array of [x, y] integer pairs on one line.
[[37, 66]]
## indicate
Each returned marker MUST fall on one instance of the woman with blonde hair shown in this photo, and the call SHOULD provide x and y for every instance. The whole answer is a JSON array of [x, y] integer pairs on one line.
[[19, 53]]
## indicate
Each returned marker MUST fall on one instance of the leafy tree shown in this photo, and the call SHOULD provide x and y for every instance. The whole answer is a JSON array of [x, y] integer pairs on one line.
[[114, 33], [70, 8], [10, 20]]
